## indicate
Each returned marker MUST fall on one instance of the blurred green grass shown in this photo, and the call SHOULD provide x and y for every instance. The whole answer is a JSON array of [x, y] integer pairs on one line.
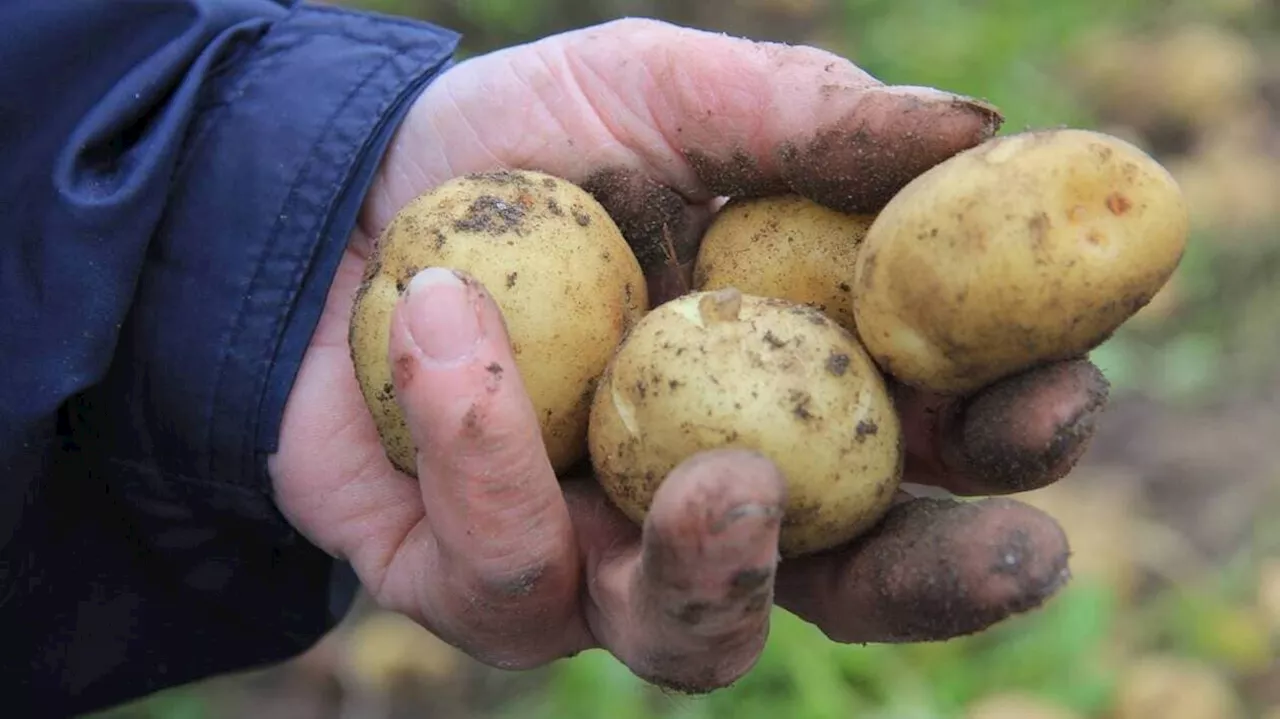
[[1057, 654], [1211, 341]]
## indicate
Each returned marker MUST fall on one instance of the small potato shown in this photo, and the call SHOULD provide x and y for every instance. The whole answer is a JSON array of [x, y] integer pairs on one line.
[[1024, 250], [722, 369], [567, 283], [1174, 687], [1014, 705], [784, 246]]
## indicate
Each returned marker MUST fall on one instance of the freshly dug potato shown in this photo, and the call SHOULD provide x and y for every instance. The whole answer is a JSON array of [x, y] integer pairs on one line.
[[723, 369], [784, 246], [1015, 705], [1173, 687], [567, 283], [1268, 602], [1026, 249]]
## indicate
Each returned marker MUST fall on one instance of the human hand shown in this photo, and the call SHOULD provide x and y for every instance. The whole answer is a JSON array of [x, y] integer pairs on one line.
[[494, 553]]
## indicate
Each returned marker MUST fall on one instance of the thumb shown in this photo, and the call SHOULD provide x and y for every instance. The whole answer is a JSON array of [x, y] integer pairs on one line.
[[503, 538], [479, 445]]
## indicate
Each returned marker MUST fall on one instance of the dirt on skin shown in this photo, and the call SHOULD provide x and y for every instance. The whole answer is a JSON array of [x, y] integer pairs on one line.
[[855, 164], [1028, 462], [1012, 563], [858, 163], [662, 229], [708, 564], [934, 569], [738, 176]]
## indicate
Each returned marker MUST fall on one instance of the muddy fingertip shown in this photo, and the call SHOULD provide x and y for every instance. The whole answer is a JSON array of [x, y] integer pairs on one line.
[[707, 570], [733, 496], [1029, 431], [662, 229], [890, 136], [950, 568]]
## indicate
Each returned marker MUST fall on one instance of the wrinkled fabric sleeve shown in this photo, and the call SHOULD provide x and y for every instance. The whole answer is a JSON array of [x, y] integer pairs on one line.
[[178, 179]]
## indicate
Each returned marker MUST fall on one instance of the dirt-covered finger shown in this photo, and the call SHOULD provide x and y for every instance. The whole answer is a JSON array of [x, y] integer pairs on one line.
[[1020, 434], [687, 608], [759, 118], [503, 543], [888, 136], [755, 118], [657, 121], [662, 228], [934, 569]]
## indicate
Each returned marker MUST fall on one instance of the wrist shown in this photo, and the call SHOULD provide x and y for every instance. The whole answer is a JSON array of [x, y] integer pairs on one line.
[[416, 159]]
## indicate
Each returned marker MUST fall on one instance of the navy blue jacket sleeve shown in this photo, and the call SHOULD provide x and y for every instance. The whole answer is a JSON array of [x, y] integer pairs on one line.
[[177, 181]]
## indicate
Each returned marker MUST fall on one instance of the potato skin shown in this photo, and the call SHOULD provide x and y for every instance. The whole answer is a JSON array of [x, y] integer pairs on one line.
[[721, 369], [784, 246], [1174, 687], [567, 283], [1027, 249], [1017, 706]]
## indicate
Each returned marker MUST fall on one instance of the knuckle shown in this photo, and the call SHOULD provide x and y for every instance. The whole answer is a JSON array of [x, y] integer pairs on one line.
[[498, 656], [502, 585], [637, 25], [498, 645], [719, 625], [504, 617]]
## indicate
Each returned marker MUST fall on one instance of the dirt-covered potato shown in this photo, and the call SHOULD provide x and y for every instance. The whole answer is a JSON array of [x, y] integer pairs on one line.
[[722, 369], [784, 246], [1015, 705], [1173, 687], [1026, 249], [567, 283]]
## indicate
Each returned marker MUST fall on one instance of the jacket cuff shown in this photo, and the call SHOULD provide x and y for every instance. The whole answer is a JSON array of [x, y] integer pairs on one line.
[[293, 129]]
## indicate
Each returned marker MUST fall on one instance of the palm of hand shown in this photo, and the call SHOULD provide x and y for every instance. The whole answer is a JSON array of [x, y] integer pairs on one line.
[[493, 554]]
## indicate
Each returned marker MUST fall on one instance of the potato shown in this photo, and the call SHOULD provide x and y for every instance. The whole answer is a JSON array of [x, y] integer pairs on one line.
[[787, 247], [1015, 705], [1026, 249], [723, 369], [1174, 687], [567, 283]]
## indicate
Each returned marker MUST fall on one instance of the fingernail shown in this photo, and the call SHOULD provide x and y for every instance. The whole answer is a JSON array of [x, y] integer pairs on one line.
[[990, 112], [984, 106], [443, 319]]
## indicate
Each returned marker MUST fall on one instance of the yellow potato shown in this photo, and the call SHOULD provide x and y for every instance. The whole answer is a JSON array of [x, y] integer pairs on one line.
[[785, 246], [1014, 705], [1026, 249], [1173, 687], [722, 369], [567, 283]]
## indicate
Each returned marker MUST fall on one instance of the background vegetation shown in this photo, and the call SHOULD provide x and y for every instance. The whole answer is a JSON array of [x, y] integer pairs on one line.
[[1175, 612]]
